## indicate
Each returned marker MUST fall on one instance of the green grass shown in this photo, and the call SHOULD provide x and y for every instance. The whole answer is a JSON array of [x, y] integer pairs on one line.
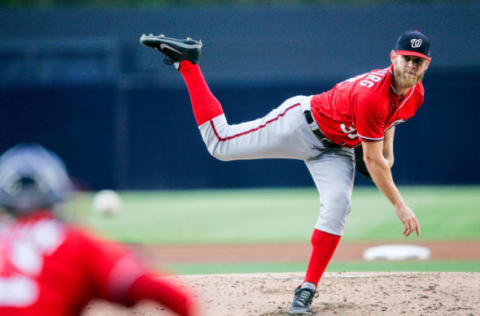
[[445, 213], [360, 266], [280, 215]]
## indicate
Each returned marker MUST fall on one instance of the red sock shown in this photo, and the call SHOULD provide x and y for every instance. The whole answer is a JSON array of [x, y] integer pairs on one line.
[[324, 245], [205, 105]]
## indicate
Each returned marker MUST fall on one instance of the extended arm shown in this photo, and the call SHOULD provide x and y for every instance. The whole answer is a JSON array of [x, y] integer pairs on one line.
[[388, 146], [121, 277], [152, 287], [379, 168]]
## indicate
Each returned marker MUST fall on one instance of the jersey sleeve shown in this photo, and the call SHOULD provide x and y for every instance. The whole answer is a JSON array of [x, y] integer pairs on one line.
[[119, 276], [112, 267], [370, 116], [164, 291]]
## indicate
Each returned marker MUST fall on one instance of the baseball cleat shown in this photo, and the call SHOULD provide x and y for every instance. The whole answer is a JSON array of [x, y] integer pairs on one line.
[[175, 50], [301, 301]]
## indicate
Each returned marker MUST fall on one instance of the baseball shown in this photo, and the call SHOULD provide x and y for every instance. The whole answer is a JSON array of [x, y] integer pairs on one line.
[[107, 202]]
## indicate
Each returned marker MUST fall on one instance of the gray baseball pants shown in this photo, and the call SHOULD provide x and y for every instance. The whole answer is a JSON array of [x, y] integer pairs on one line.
[[285, 133]]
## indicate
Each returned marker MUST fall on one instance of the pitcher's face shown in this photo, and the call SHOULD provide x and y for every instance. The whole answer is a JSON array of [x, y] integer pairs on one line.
[[408, 70]]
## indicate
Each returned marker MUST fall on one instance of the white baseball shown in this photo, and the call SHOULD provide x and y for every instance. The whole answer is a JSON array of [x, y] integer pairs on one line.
[[107, 202]]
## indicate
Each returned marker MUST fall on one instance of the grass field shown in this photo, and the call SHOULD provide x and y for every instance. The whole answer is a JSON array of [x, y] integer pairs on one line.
[[285, 216], [354, 266]]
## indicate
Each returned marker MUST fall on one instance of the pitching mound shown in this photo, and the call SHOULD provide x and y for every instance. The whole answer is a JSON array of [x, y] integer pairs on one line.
[[399, 293]]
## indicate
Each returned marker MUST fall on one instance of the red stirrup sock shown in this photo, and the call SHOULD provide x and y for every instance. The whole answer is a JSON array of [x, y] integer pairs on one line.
[[205, 105], [324, 245]]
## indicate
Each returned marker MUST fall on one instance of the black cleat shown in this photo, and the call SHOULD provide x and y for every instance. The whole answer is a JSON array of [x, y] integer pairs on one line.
[[175, 50], [301, 301]]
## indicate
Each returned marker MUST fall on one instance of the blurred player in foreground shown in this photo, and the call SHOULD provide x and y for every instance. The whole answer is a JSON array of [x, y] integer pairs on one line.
[[48, 267], [322, 130]]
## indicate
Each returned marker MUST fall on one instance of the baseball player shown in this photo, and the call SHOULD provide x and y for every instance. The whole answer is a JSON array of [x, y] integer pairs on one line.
[[321, 130], [48, 267]]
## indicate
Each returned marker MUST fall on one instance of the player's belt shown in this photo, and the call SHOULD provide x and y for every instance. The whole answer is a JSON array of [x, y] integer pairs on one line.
[[326, 142]]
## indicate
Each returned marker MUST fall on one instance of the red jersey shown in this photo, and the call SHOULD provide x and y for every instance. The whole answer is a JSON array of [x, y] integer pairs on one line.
[[364, 107], [49, 268]]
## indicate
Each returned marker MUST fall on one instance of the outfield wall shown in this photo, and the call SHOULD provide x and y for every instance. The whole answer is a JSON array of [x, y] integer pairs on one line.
[[77, 81]]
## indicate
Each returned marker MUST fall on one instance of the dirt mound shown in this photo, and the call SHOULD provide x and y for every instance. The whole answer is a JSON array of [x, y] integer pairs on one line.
[[399, 293]]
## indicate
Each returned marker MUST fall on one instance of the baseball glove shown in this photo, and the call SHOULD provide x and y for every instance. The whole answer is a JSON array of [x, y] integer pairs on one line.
[[360, 163]]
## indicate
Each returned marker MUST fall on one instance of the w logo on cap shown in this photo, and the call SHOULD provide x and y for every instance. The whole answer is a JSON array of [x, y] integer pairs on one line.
[[413, 43], [416, 42]]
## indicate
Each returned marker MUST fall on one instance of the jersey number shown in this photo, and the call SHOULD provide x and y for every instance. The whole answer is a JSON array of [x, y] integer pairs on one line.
[[350, 131], [19, 288]]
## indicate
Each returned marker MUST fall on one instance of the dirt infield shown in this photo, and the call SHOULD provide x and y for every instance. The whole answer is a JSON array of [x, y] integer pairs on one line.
[[402, 293], [379, 293], [464, 250]]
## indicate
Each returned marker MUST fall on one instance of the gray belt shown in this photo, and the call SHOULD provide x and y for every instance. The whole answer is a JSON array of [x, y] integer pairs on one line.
[[326, 142]]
